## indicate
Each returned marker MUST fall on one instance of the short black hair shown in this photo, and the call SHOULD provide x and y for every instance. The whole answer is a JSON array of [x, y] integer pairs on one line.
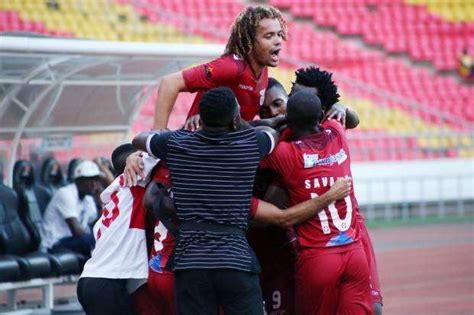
[[322, 81], [218, 107], [119, 156], [274, 83], [304, 109]]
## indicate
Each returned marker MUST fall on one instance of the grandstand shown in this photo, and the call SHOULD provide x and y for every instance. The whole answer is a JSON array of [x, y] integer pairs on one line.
[[63, 94]]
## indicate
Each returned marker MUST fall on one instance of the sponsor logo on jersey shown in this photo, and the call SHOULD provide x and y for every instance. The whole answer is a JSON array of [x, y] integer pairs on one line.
[[208, 70], [245, 87], [311, 160]]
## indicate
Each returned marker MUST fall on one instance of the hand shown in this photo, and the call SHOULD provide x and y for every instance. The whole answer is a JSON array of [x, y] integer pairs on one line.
[[133, 168], [105, 168], [277, 121], [193, 123], [338, 112], [341, 188]]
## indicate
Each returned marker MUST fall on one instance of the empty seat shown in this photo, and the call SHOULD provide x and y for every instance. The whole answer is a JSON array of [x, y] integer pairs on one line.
[[9, 269], [15, 241]]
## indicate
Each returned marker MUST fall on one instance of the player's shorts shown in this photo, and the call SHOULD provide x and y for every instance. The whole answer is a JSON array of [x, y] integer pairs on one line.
[[157, 296], [336, 282], [278, 292], [376, 292]]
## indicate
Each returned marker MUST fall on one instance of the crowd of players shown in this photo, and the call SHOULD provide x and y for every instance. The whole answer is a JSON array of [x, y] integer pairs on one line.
[[190, 191]]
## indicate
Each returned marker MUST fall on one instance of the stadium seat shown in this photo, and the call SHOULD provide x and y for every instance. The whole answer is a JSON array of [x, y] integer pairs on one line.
[[52, 177], [397, 26], [412, 27], [15, 240], [9, 268], [32, 216]]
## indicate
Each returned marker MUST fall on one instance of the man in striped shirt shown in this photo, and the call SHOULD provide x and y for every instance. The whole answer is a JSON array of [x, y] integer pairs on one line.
[[213, 171]]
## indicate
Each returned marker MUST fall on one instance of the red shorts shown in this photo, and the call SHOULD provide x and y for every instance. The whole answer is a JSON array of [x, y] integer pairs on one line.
[[376, 292], [336, 282], [278, 292], [157, 296]]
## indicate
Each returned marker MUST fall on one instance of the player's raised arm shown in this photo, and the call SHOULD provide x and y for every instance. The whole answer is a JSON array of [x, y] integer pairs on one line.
[[268, 213], [170, 86]]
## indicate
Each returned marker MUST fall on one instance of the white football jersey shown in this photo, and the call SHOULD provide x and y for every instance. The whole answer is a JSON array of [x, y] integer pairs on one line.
[[120, 250]]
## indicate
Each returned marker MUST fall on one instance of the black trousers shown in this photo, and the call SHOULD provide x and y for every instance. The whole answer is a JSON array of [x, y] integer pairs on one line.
[[202, 291], [100, 296]]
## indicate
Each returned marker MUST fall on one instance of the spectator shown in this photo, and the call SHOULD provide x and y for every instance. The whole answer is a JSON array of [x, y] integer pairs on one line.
[[71, 212], [466, 66]]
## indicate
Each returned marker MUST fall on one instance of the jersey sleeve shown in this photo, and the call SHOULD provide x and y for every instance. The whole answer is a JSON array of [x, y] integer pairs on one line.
[[266, 143], [253, 207], [280, 160], [162, 174], [219, 72]]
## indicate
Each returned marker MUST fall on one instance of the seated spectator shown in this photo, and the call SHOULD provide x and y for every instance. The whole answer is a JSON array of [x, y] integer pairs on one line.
[[466, 65], [71, 212]]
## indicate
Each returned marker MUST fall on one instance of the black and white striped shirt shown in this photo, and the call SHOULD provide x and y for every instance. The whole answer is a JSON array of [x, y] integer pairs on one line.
[[212, 176]]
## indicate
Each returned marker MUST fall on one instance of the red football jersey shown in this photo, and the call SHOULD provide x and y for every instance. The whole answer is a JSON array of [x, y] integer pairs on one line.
[[163, 241], [308, 167], [233, 72]]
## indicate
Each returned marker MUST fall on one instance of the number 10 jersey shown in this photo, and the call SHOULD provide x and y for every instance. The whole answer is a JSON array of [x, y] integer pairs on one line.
[[308, 167]]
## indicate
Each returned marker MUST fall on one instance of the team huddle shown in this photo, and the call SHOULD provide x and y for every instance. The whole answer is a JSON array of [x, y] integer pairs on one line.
[[233, 214]]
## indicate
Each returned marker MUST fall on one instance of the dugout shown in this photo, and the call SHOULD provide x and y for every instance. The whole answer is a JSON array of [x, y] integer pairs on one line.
[[74, 98], [66, 94]]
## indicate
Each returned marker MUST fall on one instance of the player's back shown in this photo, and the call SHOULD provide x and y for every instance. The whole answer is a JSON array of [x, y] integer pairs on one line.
[[309, 167]]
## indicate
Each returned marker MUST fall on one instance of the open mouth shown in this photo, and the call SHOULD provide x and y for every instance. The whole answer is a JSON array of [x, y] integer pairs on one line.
[[275, 54]]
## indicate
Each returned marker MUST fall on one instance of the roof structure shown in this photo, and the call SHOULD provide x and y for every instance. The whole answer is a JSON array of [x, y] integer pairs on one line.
[[56, 86]]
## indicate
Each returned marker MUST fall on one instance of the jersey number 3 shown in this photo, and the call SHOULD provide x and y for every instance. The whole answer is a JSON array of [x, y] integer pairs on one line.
[[341, 224]]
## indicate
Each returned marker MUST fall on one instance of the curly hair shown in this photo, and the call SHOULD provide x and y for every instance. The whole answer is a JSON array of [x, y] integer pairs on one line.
[[322, 81], [245, 27]]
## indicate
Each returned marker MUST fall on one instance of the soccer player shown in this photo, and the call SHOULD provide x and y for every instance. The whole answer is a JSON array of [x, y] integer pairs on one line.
[[319, 82], [254, 44], [332, 273], [118, 265], [201, 164], [275, 100]]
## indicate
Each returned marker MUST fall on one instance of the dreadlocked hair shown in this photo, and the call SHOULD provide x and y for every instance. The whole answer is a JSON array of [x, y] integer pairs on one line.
[[322, 81], [245, 27]]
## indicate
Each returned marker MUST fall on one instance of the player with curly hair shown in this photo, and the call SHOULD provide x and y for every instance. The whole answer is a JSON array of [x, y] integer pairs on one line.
[[254, 45]]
